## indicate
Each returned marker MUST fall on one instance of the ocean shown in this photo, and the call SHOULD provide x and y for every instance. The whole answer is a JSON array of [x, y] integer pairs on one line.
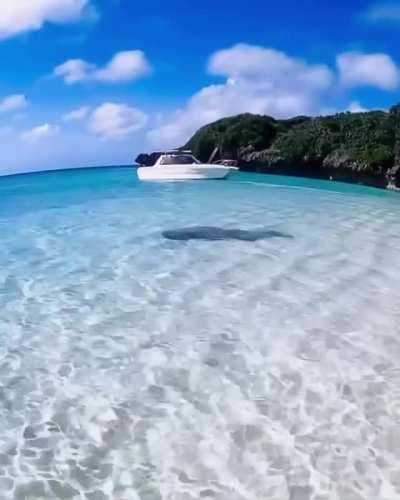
[[229, 340]]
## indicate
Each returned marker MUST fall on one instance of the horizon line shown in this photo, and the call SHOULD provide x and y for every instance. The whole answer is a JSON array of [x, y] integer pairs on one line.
[[67, 169]]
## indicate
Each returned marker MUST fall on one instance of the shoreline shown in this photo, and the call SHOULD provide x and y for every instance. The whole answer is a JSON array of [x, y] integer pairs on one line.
[[321, 174], [361, 148]]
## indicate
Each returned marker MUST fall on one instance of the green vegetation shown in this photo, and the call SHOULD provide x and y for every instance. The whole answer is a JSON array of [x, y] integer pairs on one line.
[[358, 147]]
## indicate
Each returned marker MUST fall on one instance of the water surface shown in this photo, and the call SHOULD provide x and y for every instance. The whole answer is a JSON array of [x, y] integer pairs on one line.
[[135, 366]]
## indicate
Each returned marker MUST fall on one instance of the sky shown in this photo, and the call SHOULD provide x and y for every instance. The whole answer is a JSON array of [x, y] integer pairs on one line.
[[94, 82]]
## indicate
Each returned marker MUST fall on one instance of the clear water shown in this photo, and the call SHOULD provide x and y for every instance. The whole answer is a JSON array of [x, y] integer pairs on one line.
[[137, 367]]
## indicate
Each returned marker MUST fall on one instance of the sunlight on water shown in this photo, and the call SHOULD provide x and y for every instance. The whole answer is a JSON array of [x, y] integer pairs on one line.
[[137, 366]]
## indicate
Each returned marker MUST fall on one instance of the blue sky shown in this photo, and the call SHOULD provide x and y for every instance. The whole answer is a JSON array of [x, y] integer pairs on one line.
[[93, 82]]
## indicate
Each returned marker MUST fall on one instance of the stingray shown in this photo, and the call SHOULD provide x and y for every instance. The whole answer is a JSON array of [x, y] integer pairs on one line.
[[210, 233]]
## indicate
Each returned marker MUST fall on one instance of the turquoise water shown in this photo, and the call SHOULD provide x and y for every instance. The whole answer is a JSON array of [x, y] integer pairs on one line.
[[138, 367]]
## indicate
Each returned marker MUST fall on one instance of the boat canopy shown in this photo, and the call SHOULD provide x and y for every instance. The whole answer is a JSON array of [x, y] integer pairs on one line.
[[177, 159], [149, 160]]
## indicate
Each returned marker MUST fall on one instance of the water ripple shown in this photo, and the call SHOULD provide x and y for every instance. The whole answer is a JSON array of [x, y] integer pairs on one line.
[[134, 367]]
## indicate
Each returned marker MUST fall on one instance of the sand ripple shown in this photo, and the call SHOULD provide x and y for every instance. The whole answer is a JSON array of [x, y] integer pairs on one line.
[[134, 367]]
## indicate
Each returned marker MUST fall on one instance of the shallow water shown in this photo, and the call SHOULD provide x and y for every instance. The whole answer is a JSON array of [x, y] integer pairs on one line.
[[138, 367]]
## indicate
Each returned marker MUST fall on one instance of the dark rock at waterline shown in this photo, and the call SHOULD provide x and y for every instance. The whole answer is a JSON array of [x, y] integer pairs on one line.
[[209, 233]]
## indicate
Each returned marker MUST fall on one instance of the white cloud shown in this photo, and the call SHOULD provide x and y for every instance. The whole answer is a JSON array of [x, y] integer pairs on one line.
[[76, 114], [123, 67], [115, 121], [19, 16], [269, 67], [373, 70], [258, 80], [40, 132], [355, 107], [74, 71], [386, 12], [13, 103]]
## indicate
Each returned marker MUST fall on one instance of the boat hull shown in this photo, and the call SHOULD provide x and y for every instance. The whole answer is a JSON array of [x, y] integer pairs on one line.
[[183, 172]]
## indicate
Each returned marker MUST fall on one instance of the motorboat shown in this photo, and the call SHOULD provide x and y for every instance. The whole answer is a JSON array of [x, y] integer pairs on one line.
[[182, 165]]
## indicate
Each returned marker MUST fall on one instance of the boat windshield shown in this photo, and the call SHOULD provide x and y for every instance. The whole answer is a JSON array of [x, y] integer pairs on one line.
[[178, 160]]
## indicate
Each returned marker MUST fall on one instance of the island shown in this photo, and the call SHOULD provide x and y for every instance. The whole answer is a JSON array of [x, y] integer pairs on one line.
[[354, 147]]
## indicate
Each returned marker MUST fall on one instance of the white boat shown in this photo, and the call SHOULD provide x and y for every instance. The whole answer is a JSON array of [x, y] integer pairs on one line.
[[177, 166]]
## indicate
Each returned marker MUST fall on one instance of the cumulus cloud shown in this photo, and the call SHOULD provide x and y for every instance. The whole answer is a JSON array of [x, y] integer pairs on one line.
[[386, 12], [355, 107], [13, 103], [258, 80], [115, 121], [19, 16], [373, 70], [74, 71], [123, 67], [268, 67], [40, 132], [76, 114]]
